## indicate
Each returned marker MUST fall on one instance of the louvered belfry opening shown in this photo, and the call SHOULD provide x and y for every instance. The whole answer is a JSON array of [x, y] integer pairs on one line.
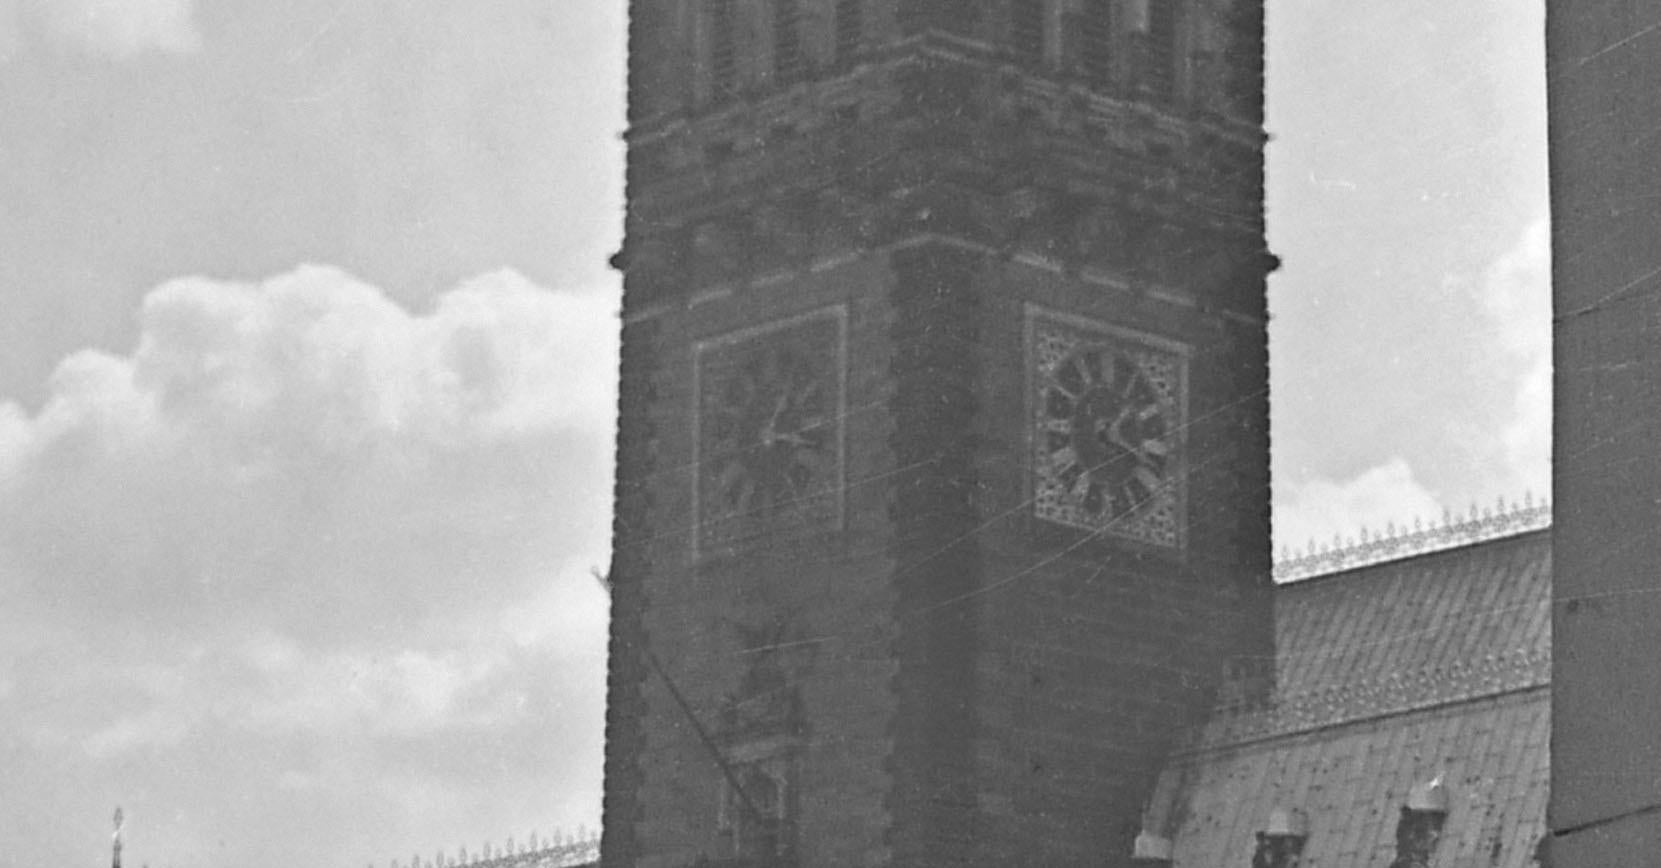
[[723, 49], [1095, 35], [1026, 29], [789, 59], [1159, 49], [850, 28]]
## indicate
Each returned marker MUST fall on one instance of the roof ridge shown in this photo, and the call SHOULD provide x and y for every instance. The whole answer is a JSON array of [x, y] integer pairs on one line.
[[562, 849], [1452, 531]]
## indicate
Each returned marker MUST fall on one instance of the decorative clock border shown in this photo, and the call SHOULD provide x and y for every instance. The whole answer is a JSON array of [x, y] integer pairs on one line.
[[1180, 354], [838, 315]]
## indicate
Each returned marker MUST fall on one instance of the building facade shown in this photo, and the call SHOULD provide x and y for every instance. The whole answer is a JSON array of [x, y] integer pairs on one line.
[[943, 449], [1603, 77]]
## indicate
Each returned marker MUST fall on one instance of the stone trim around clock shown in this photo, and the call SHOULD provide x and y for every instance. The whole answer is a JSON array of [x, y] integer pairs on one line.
[[1050, 338], [817, 339]]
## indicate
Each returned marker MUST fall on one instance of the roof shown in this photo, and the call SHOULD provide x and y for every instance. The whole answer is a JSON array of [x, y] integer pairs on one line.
[[581, 851], [1388, 675]]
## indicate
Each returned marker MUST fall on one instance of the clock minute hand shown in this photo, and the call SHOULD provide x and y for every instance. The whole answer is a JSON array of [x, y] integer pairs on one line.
[[769, 432]]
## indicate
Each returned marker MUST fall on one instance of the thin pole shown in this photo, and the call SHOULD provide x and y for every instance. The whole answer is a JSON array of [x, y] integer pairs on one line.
[[697, 725], [115, 840]]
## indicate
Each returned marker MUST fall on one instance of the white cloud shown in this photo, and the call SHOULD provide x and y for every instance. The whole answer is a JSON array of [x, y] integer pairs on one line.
[[120, 28], [302, 452], [1322, 510], [1516, 292], [304, 531], [1509, 453]]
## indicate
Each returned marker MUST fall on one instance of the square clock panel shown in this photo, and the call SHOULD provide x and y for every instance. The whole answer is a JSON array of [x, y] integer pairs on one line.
[[769, 404], [1107, 416]]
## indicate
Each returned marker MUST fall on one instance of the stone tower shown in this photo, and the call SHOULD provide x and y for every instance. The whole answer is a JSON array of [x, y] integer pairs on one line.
[[942, 492], [1602, 65]]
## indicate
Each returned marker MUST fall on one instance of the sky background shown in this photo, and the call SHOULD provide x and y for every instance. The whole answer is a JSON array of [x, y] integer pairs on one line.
[[307, 350]]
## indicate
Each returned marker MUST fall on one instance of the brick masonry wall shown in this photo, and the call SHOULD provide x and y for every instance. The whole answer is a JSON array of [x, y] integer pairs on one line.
[[934, 511], [1031, 713], [1095, 650], [832, 586], [630, 572]]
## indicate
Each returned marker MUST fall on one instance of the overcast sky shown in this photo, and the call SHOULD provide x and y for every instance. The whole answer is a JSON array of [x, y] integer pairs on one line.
[[306, 379]]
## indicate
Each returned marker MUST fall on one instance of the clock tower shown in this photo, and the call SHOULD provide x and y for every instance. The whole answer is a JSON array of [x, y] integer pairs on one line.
[[942, 489]]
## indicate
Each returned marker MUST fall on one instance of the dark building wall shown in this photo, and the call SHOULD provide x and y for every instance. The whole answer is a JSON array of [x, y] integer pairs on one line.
[[1604, 90], [831, 589], [969, 682], [1094, 650]]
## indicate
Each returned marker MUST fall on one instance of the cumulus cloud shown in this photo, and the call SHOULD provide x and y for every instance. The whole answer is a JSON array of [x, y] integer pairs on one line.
[[1506, 452], [308, 445], [298, 514], [1516, 293], [114, 28], [1321, 511]]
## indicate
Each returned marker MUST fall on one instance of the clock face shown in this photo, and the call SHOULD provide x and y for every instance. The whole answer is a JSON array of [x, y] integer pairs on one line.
[[1106, 434], [769, 430]]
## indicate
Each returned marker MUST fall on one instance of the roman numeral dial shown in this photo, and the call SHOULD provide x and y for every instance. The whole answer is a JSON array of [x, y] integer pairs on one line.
[[770, 430], [1106, 435]]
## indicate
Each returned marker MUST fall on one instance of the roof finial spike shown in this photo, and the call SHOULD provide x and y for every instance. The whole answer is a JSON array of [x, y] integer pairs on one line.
[[115, 838]]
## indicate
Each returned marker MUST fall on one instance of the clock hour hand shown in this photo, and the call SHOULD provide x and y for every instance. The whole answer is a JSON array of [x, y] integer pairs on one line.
[[1117, 436]]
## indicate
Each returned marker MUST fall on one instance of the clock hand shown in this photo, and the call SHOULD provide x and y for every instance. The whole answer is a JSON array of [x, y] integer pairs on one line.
[[769, 432], [1117, 436]]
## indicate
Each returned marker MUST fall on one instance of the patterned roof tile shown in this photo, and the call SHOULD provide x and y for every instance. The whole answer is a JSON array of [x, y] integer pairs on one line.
[[1388, 675]]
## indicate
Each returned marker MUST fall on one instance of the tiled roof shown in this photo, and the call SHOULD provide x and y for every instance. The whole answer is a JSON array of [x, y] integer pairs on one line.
[[1387, 676], [579, 852]]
